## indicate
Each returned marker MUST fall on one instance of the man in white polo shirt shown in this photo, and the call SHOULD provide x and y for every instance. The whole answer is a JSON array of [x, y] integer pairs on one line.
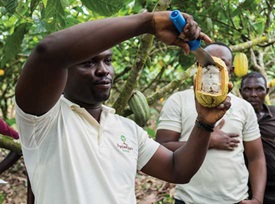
[[223, 176], [78, 151]]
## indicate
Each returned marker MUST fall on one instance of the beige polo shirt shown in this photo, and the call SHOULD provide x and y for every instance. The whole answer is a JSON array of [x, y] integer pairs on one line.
[[72, 159]]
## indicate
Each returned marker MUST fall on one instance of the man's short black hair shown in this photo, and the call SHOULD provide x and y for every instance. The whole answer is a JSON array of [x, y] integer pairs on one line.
[[221, 44], [256, 75]]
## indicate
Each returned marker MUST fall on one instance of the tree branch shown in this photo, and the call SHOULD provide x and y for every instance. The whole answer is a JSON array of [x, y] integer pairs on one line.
[[10, 144], [172, 85], [249, 44], [143, 53]]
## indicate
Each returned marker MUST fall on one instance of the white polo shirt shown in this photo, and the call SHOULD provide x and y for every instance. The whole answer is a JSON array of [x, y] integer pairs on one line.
[[223, 176], [72, 159]]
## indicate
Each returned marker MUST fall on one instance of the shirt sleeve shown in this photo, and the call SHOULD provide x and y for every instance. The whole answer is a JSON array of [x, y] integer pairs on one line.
[[147, 148], [171, 114], [32, 129], [251, 129]]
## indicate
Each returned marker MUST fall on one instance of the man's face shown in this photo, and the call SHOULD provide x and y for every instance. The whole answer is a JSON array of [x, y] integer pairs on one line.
[[223, 53], [254, 91], [90, 82]]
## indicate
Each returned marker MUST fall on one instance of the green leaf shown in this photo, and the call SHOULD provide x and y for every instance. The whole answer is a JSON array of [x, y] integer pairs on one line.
[[34, 4], [10, 5], [55, 11], [105, 7], [40, 26], [13, 43], [151, 132], [259, 26], [54, 8], [64, 3], [186, 60], [45, 2], [22, 9], [246, 4], [11, 121], [236, 12]]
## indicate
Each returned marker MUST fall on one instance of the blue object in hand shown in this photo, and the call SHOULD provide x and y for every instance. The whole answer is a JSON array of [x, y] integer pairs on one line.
[[180, 22]]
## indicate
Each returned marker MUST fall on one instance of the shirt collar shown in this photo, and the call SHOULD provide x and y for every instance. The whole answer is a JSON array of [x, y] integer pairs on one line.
[[267, 109], [72, 105]]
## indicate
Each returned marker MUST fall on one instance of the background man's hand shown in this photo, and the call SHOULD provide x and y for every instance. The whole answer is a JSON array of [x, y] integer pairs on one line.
[[222, 140]]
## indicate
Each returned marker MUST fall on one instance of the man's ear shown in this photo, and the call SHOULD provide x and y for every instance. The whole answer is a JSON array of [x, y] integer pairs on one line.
[[267, 90], [231, 71], [240, 90]]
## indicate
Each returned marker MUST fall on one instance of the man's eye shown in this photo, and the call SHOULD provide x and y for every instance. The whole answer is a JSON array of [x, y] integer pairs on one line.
[[108, 61], [88, 63], [260, 89]]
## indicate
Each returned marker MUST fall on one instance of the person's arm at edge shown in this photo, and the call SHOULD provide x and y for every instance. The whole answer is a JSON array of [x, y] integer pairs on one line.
[[9, 161], [256, 167], [5, 129], [12, 157]]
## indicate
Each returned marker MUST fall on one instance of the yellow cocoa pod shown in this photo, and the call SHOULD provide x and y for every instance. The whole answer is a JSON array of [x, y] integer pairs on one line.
[[267, 99], [212, 84], [2, 72], [271, 83], [240, 64]]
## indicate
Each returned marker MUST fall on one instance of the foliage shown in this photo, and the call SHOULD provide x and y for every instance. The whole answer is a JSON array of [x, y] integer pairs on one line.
[[2, 197], [25, 22], [245, 25]]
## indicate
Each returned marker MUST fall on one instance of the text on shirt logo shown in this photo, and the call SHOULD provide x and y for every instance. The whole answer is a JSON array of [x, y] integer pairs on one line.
[[124, 146]]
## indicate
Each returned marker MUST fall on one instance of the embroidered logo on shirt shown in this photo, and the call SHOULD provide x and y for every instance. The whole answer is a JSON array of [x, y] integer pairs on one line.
[[124, 146]]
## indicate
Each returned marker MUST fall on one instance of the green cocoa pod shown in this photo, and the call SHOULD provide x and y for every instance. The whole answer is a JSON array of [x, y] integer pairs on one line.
[[139, 105], [209, 23]]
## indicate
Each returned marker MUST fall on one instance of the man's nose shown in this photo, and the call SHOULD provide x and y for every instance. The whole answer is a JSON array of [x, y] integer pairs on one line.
[[102, 69], [253, 92]]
